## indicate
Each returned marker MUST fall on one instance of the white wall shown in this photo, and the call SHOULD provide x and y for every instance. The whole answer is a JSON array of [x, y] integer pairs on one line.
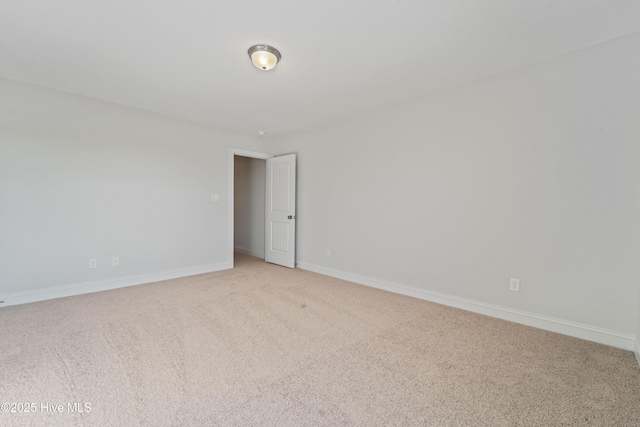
[[249, 205], [82, 179], [533, 174]]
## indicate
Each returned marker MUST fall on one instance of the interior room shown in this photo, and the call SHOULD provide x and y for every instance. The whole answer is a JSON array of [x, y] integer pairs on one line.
[[330, 213]]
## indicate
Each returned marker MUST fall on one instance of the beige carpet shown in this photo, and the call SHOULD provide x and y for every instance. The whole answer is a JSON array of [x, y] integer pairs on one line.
[[263, 345]]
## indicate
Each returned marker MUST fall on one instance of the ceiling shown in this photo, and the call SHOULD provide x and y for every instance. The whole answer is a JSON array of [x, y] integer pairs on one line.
[[340, 59]]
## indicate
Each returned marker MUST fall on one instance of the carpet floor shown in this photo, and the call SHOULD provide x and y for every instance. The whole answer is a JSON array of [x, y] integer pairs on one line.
[[262, 345]]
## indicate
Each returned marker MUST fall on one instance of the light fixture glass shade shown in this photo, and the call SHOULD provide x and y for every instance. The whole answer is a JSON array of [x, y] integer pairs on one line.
[[264, 57]]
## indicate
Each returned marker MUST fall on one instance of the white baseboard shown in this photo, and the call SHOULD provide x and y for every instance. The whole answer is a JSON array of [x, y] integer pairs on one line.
[[104, 285], [249, 252], [578, 330], [636, 350]]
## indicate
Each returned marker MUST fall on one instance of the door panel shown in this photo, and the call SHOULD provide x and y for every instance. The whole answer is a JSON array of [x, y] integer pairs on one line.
[[280, 228], [280, 236]]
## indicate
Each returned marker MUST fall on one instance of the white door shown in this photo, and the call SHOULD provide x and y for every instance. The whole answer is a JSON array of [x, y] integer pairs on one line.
[[280, 213]]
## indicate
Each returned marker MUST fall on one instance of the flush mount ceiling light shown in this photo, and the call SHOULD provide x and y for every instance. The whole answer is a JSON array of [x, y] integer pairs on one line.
[[264, 57]]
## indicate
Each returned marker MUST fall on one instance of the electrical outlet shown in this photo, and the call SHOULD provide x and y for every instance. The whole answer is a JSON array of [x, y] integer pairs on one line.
[[93, 263], [514, 285], [115, 261], [327, 252]]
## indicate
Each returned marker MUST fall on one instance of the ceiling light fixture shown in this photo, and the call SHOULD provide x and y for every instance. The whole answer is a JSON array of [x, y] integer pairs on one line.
[[264, 57]]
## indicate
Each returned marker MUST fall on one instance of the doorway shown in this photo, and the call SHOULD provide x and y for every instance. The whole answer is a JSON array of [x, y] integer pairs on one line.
[[249, 206], [264, 192], [244, 196]]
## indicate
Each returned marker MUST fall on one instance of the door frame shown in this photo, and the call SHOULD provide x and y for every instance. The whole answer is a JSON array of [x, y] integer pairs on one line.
[[231, 179]]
